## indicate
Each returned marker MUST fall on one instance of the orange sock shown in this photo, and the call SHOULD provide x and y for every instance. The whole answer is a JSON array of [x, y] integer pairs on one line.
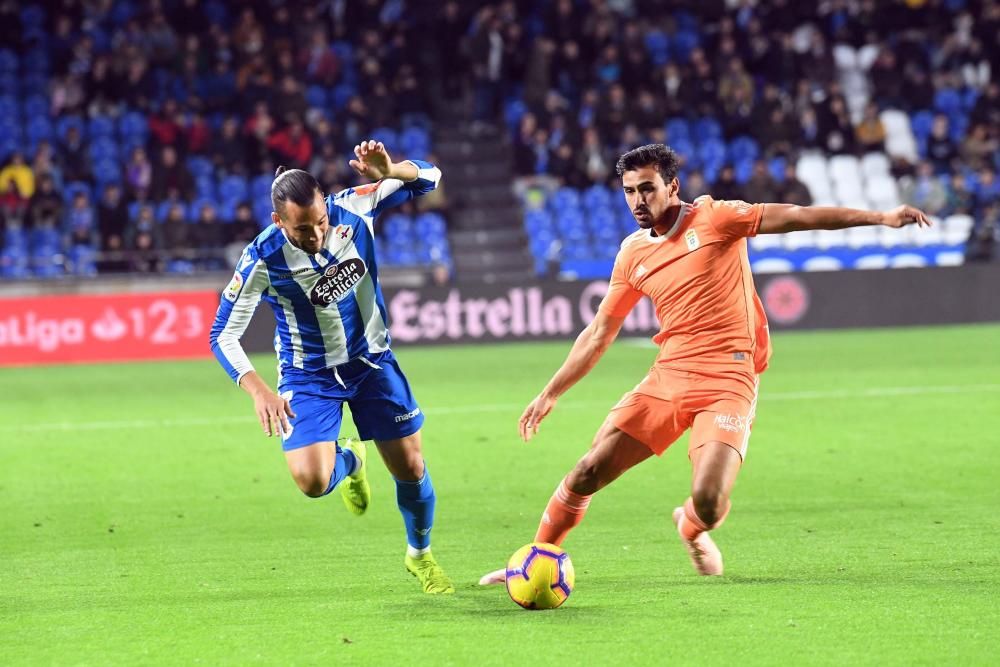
[[692, 526], [563, 513]]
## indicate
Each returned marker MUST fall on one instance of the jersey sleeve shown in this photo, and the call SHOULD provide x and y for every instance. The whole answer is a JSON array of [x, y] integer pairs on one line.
[[370, 200], [236, 306], [621, 296], [735, 219]]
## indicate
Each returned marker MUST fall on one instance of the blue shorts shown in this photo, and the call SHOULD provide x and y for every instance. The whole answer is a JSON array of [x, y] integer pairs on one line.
[[378, 394]]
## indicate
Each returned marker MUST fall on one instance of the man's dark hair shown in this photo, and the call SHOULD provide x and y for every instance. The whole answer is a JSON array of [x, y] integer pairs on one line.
[[664, 159], [294, 185]]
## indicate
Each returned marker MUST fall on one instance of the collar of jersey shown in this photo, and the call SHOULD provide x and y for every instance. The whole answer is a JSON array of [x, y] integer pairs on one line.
[[681, 214]]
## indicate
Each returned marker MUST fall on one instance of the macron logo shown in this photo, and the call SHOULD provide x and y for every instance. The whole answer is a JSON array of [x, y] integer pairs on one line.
[[408, 416]]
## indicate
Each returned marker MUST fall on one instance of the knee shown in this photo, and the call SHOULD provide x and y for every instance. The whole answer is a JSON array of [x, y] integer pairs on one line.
[[310, 481], [710, 503]]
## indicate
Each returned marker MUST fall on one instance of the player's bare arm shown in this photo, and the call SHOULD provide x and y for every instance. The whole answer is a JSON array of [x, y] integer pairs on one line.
[[782, 218], [373, 161], [272, 410], [589, 347]]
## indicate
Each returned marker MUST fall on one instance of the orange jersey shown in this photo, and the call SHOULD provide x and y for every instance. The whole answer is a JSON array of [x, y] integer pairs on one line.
[[698, 278]]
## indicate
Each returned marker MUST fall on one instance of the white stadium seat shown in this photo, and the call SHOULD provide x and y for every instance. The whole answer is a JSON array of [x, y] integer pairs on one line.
[[850, 194], [822, 263], [860, 237], [867, 55], [933, 235], [892, 238], [874, 165], [831, 238], [772, 265], [956, 229], [876, 261], [950, 258], [883, 193], [845, 57], [899, 141], [797, 240], [844, 168], [765, 241], [908, 260]]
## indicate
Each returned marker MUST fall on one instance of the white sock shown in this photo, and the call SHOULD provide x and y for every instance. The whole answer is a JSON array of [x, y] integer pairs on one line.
[[413, 552]]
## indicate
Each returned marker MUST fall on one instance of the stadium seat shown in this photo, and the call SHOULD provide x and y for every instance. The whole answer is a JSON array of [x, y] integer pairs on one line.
[[908, 260], [957, 228], [899, 140], [875, 165], [830, 238], [862, 237], [772, 265], [872, 261], [797, 240], [949, 258], [822, 263]]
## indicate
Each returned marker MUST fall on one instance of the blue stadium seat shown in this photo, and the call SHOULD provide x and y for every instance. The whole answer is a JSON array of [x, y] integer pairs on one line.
[[743, 148], [658, 46], [36, 106], [684, 42], [66, 122], [133, 125], [36, 61], [742, 171], [677, 128], [15, 237], [706, 128], [233, 187], [948, 100], [39, 128], [386, 135], [776, 166], [9, 107], [415, 142], [8, 61], [260, 186], [14, 263], [712, 153], [199, 166], [262, 213], [70, 190], [513, 110], [9, 84], [316, 97], [81, 261], [596, 196], [100, 127], [32, 16], [430, 225]]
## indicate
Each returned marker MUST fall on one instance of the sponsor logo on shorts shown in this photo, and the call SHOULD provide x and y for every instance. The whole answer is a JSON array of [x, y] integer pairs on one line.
[[731, 423], [408, 416], [337, 281]]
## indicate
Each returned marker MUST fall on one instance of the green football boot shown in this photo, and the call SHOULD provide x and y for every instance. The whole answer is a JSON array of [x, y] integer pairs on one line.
[[430, 575], [355, 490]]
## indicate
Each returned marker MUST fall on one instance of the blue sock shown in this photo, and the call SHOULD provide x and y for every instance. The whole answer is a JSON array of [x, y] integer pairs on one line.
[[343, 465], [416, 504]]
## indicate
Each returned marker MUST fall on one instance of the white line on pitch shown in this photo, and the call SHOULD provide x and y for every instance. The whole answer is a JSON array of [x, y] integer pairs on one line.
[[248, 419]]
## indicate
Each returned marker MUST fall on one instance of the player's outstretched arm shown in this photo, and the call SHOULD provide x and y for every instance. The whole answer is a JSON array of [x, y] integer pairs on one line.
[[394, 182], [589, 347], [781, 218]]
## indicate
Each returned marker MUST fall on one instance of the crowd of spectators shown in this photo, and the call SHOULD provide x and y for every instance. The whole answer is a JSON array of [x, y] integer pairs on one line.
[[122, 122], [197, 94]]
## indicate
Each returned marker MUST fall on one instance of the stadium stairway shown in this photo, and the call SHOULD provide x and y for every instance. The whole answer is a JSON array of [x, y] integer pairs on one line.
[[487, 237]]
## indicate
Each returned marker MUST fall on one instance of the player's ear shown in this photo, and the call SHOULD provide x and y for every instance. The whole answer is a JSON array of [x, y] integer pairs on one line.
[[275, 218], [674, 188]]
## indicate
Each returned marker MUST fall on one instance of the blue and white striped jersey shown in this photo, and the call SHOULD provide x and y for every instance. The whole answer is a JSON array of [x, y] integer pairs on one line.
[[328, 306]]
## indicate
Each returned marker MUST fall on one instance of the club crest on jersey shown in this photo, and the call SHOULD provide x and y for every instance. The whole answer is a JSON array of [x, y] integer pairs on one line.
[[691, 238], [342, 232], [232, 291], [337, 281]]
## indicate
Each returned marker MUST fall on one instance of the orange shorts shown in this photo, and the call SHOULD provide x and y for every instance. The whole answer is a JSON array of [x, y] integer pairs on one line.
[[715, 406]]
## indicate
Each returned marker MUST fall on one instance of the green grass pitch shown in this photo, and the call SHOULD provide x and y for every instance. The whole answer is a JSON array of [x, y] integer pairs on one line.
[[144, 519]]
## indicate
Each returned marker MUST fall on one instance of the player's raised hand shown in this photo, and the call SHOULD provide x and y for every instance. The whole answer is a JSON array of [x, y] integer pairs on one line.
[[901, 216], [273, 412], [372, 161], [533, 415]]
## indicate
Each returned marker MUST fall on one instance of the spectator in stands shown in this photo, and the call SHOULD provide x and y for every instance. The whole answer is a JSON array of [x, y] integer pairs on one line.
[[959, 199], [984, 235], [987, 109], [170, 176], [76, 161], [112, 218], [940, 148], [793, 191], [693, 186], [987, 191], [978, 147], [44, 163], [13, 207], [244, 229], [80, 220], [291, 145], [486, 54], [836, 130], [593, 158], [46, 206], [726, 186], [175, 236], [144, 254], [138, 172], [258, 128], [870, 132], [20, 174], [207, 235], [228, 148], [197, 134], [924, 190], [761, 186], [166, 126]]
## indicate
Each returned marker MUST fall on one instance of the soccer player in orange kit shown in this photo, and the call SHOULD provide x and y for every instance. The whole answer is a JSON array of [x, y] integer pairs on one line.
[[691, 260]]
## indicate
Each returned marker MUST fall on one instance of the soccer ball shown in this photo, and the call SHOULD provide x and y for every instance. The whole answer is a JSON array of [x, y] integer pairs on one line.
[[540, 576]]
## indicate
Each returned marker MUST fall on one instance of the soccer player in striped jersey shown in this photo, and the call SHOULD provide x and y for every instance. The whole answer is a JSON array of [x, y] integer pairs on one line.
[[315, 267], [691, 260]]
